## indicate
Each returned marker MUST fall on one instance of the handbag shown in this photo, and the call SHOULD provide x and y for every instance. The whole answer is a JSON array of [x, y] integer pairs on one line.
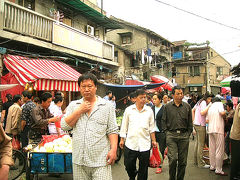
[[15, 143], [155, 159]]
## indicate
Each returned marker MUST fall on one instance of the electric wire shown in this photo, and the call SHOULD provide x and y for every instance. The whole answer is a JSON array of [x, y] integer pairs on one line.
[[199, 16]]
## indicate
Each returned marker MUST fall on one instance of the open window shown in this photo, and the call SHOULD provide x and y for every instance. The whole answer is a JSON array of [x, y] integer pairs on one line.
[[30, 4]]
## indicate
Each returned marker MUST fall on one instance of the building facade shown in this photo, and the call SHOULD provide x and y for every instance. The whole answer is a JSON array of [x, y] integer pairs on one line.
[[151, 52], [198, 68], [70, 31]]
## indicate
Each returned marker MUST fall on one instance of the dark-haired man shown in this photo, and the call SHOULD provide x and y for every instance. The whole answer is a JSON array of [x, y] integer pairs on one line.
[[5, 108], [40, 118], [95, 135], [108, 96], [138, 134], [26, 115], [177, 123], [13, 123]]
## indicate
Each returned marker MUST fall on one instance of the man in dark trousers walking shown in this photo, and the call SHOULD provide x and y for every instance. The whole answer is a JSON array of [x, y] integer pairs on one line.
[[177, 123]]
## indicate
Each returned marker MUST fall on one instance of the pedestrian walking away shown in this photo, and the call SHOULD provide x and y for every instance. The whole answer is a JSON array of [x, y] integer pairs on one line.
[[137, 134], [26, 116], [216, 136], [13, 123], [5, 108], [95, 132], [177, 122], [199, 113]]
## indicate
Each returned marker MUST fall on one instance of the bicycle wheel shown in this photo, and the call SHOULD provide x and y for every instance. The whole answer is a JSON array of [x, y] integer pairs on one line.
[[19, 165]]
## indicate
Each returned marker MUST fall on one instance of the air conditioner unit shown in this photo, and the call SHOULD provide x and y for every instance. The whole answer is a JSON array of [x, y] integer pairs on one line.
[[90, 30]]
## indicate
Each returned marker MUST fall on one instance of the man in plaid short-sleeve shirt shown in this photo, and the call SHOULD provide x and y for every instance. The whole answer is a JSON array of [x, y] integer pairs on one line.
[[95, 135]]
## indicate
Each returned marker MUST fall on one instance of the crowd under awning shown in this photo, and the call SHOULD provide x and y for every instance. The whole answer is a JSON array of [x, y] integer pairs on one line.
[[44, 74]]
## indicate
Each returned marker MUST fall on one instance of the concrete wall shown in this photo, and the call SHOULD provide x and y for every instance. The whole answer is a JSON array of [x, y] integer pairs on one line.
[[79, 22], [218, 61]]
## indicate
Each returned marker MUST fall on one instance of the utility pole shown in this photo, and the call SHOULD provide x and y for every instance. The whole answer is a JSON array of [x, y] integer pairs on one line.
[[101, 6], [208, 88]]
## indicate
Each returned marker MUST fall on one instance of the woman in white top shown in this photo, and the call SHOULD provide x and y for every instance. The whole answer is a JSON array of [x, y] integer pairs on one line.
[[216, 136], [56, 110]]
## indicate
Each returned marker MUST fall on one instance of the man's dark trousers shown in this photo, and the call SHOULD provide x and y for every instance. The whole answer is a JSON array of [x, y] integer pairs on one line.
[[235, 164], [130, 158], [24, 136], [161, 139], [177, 143]]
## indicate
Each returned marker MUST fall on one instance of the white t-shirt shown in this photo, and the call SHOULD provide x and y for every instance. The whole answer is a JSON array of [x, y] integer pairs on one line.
[[55, 111], [216, 122]]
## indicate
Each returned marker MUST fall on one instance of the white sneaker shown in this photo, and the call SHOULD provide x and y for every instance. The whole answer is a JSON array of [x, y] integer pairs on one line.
[[206, 166]]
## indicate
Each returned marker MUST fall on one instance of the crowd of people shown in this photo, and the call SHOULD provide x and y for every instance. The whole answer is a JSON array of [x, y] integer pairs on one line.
[[26, 119], [149, 120]]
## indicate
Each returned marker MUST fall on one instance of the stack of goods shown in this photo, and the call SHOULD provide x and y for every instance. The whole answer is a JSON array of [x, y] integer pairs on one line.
[[53, 143]]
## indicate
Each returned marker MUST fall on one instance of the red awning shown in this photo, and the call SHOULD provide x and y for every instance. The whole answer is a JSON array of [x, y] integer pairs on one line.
[[45, 74]]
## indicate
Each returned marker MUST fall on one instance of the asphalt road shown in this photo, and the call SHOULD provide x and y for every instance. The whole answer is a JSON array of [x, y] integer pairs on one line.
[[192, 172]]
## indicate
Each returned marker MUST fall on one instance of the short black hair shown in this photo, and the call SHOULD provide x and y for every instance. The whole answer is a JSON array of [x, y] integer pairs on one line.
[[36, 100], [9, 97], [133, 94], [108, 92], [176, 87], [159, 96], [58, 93], [45, 96], [16, 98], [140, 92], [216, 99], [230, 104], [27, 94], [57, 99], [87, 76]]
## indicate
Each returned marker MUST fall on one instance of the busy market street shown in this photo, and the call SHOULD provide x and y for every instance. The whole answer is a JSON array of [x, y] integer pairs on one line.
[[119, 173], [119, 90]]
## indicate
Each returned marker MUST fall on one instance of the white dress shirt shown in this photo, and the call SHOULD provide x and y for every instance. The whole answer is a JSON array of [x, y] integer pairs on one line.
[[136, 128]]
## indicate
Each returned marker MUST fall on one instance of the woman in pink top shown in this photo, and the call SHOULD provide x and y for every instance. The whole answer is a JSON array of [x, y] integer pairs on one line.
[[216, 136], [199, 112]]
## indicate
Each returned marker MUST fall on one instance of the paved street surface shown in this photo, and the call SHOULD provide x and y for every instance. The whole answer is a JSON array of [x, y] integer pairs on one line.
[[192, 172]]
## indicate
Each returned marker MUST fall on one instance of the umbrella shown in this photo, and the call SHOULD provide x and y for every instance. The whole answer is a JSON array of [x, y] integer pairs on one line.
[[4, 87], [225, 90], [161, 79], [226, 81]]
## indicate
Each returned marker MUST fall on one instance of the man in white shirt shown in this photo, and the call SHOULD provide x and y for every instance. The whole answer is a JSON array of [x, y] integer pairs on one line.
[[108, 95], [138, 134]]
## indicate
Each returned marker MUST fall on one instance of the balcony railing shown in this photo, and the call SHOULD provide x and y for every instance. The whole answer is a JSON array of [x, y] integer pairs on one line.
[[26, 22]]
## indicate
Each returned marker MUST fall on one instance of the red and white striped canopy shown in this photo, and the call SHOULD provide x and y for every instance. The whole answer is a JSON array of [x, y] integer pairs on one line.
[[45, 74]]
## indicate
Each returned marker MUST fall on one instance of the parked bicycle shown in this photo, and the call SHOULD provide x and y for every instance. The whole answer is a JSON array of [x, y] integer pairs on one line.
[[19, 165]]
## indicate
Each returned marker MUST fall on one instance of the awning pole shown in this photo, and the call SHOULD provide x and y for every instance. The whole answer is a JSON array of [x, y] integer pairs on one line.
[[69, 96]]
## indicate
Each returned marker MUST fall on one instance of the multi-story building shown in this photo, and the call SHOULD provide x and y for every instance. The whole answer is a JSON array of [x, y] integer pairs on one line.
[[151, 53], [198, 67], [72, 31]]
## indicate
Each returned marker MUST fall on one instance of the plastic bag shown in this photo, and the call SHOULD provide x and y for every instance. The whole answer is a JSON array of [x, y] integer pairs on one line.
[[154, 160], [15, 143]]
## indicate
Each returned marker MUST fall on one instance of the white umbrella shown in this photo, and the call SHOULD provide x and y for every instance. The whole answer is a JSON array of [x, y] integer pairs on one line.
[[4, 87], [226, 81]]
